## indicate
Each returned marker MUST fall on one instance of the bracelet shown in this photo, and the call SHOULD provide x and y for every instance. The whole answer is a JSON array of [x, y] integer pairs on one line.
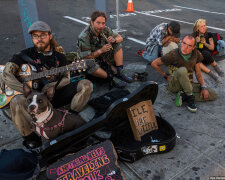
[[166, 76], [115, 40], [203, 87], [99, 52]]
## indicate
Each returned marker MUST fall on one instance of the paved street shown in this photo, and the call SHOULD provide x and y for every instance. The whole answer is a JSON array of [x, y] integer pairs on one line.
[[200, 150]]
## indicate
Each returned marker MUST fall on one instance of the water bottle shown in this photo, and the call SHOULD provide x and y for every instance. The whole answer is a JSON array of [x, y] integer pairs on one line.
[[200, 45]]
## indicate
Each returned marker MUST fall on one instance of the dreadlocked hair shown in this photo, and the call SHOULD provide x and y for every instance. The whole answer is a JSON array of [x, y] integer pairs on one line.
[[97, 14]]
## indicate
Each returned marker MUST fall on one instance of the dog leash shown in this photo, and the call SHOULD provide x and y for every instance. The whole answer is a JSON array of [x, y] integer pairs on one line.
[[40, 129]]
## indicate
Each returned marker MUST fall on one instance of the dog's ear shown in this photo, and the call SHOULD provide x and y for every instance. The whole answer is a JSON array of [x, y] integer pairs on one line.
[[26, 90], [49, 92]]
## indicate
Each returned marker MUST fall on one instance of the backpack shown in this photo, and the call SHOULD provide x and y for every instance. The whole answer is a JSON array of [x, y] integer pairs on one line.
[[18, 164], [216, 37]]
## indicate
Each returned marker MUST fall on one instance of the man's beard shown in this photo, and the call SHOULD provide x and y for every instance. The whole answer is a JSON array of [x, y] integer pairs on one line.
[[43, 47]]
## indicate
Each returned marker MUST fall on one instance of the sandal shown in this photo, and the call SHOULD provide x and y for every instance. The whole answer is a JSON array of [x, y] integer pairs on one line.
[[140, 76]]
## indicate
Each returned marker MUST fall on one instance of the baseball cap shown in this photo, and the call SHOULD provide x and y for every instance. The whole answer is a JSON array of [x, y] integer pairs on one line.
[[39, 26], [175, 28]]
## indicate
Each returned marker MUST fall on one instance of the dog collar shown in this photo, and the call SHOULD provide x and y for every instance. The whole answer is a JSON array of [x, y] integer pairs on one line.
[[45, 121]]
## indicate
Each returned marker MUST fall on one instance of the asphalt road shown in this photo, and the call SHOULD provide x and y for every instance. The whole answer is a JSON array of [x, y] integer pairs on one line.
[[199, 140]]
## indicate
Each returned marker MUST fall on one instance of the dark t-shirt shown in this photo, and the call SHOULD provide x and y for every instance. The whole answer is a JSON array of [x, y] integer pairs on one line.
[[174, 60], [207, 36], [44, 62]]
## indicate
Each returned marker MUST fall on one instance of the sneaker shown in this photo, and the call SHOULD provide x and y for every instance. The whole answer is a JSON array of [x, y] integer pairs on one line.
[[215, 77], [32, 141], [118, 83], [180, 98], [219, 71], [191, 103], [123, 75]]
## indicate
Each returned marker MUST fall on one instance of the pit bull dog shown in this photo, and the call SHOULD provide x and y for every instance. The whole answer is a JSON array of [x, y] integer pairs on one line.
[[49, 122]]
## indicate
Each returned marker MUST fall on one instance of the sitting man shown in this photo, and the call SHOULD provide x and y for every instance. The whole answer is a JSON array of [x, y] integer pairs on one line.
[[99, 42], [182, 62], [161, 36], [43, 56]]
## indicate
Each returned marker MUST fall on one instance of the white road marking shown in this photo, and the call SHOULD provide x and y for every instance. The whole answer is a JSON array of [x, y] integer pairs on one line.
[[136, 40], [161, 17], [82, 22], [77, 20], [199, 10], [135, 66]]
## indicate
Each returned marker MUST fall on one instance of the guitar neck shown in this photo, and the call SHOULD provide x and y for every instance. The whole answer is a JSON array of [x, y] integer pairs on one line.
[[48, 73]]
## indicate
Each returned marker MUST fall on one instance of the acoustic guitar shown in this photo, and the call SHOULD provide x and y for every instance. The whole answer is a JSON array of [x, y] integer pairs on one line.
[[25, 74]]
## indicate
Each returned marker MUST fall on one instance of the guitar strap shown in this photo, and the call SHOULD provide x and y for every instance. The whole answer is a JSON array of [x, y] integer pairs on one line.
[[30, 61]]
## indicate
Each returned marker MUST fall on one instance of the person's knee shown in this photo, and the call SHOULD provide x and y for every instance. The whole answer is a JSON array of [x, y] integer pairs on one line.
[[213, 94], [17, 101], [182, 71], [92, 66], [84, 85], [208, 59]]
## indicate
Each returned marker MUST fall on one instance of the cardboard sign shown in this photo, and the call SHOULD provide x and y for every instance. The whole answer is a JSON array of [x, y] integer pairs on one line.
[[142, 119], [97, 162]]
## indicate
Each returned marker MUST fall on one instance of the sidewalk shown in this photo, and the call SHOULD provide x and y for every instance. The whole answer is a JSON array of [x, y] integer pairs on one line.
[[199, 152]]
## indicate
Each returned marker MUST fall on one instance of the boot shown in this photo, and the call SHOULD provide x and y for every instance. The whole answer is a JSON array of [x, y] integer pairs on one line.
[[32, 141], [84, 90], [115, 82], [191, 106], [219, 71], [121, 73], [215, 77]]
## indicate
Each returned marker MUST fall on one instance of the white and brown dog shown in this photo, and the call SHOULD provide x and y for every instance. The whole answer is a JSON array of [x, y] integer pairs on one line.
[[49, 122]]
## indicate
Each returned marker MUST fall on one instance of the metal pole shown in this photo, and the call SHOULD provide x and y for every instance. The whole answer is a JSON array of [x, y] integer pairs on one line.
[[31, 11], [117, 16], [102, 5]]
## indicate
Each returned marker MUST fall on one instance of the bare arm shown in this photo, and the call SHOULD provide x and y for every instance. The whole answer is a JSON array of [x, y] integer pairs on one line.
[[198, 74], [106, 47], [210, 46], [204, 92], [156, 64]]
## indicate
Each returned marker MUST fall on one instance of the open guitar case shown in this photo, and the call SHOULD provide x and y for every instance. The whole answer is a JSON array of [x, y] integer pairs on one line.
[[115, 121]]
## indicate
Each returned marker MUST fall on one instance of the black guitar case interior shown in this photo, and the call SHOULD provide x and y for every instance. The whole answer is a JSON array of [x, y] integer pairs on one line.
[[115, 121]]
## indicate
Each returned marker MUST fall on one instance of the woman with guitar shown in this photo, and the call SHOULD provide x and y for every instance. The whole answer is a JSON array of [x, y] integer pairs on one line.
[[45, 67]]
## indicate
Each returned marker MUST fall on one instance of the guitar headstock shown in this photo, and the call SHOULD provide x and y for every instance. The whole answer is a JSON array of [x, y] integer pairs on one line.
[[79, 65]]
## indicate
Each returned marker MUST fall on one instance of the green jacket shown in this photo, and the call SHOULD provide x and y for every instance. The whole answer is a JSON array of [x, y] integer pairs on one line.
[[88, 42]]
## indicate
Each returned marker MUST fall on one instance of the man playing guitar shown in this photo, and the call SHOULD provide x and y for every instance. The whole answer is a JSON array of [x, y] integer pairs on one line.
[[43, 56]]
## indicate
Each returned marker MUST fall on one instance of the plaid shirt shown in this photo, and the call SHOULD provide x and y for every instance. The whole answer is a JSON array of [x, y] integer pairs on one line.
[[156, 36]]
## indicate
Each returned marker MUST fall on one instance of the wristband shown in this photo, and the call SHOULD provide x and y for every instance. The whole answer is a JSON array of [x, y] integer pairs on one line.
[[99, 52], [166, 76], [203, 87]]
